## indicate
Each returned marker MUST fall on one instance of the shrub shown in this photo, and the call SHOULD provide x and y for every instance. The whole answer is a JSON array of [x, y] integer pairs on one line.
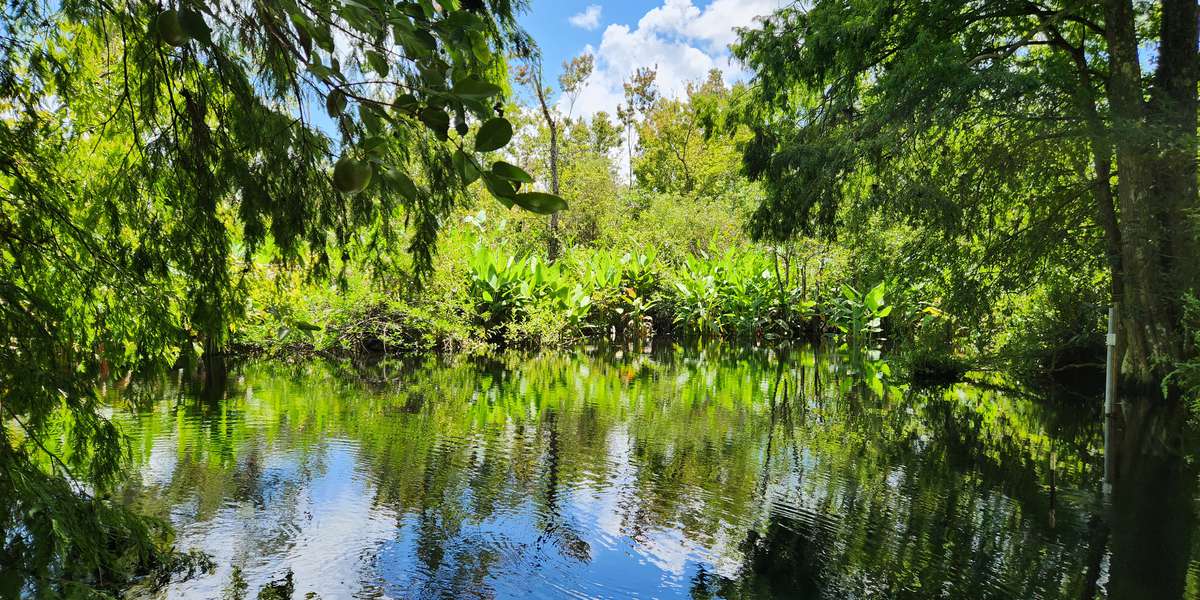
[[1185, 376]]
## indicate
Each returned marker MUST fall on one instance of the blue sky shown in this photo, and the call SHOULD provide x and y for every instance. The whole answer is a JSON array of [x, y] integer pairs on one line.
[[683, 38]]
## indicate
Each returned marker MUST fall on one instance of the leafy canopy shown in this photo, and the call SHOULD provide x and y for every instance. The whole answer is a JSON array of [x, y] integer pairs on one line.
[[958, 121], [147, 151]]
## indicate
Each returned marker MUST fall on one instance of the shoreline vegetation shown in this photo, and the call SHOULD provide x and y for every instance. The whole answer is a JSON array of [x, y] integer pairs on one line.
[[749, 294]]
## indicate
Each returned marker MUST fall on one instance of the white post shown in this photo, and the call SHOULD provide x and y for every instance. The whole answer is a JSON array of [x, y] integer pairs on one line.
[[1110, 397]]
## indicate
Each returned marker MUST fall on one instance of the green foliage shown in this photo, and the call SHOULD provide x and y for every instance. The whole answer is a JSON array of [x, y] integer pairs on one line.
[[859, 317], [494, 134], [57, 545], [678, 226], [497, 285], [737, 294], [499, 298], [149, 158], [678, 153], [1058, 329], [1012, 146], [507, 289], [624, 289], [168, 195], [1185, 375]]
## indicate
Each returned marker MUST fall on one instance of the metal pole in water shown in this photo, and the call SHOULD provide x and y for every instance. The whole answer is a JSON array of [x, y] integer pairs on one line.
[[1110, 397]]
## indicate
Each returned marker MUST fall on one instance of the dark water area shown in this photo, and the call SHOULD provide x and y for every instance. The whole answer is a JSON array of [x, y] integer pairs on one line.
[[715, 473]]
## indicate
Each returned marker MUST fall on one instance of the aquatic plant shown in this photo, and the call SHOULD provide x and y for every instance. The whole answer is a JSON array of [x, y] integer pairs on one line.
[[859, 317]]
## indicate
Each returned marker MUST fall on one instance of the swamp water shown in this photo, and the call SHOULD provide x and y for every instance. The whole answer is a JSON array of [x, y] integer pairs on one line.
[[672, 474]]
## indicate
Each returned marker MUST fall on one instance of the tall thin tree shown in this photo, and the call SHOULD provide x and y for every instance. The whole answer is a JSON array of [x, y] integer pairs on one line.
[[571, 82]]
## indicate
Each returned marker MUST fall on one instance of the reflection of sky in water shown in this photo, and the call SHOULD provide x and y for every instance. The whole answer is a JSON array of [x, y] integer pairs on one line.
[[648, 493], [323, 528], [521, 550], [315, 515]]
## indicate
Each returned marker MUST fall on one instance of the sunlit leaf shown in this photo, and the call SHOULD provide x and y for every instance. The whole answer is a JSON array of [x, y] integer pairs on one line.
[[477, 89], [511, 172], [539, 202]]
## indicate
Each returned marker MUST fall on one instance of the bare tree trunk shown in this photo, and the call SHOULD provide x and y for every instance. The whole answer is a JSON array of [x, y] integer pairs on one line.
[[553, 247], [1151, 268], [1173, 112], [629, 151]]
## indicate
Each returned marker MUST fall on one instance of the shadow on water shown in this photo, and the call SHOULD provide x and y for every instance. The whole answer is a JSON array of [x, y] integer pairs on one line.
[[1152, 515], [703, 473]]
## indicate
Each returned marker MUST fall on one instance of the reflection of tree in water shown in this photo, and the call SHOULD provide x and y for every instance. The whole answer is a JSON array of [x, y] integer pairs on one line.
[[555, 527], [812, 484], [897, 511], [1153, 512]]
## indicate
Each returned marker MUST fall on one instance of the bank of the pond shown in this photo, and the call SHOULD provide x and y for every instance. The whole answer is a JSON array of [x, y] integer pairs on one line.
[[485, 298], [507, 302]]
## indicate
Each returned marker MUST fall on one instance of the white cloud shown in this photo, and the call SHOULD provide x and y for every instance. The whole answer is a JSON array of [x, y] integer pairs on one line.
[[589, 19], [683, 40]]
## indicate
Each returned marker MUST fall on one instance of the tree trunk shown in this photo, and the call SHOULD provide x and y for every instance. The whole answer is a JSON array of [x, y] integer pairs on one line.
[[629, 150], [1151, 271], [1102, 154], [553, 250], [1173, 119]]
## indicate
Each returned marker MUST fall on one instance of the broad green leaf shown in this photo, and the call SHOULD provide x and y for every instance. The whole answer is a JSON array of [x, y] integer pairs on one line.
[[323, 37], [436, 120], [403, 183], [413, 10], [306, 326], [465, 167], [370, 118], [321, 71], [406, 103], [335, 102], [494, 134], [479, 47], [511, 172], [874, 298], [374, 145], [460, 21], [476, 89], [433, 73], [193, 24], [539, 202], [500, 188], [378, 62], [416, 42]]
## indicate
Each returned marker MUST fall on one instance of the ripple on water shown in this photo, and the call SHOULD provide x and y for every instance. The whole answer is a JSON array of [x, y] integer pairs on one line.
[[628, 496]]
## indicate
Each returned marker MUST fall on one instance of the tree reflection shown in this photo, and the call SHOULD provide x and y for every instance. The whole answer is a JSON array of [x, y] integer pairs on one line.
[[752, 474]]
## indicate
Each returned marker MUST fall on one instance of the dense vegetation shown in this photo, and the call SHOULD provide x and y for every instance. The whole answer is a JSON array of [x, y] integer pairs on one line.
[[148, 155], [970, 183], [1025, 136]]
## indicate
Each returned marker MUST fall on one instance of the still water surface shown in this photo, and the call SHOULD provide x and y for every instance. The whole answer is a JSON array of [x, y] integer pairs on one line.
[[672, 474]]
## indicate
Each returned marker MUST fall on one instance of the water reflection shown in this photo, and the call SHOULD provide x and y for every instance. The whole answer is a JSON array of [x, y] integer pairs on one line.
[[705, 474]]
